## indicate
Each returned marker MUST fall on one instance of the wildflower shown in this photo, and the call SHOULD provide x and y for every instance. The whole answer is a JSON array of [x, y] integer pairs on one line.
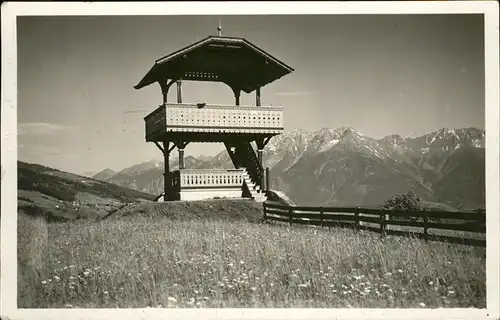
[[302, 285], [334, 291], [68, 306], [44, 282], [86, 273], [57, 278], [431, 283], [159, 306], [242, 262], [422, 305], [105, 293], [172, 299], [388, 274], [451, 292], [400, 271]]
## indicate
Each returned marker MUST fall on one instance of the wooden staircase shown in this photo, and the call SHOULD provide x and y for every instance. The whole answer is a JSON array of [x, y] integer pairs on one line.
[[243, 155]]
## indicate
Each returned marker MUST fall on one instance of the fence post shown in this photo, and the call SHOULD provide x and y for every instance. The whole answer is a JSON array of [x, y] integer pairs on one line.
[[356, 222], [426, 220], [290, 215], [321, 215], [382, 224], [265, 213]]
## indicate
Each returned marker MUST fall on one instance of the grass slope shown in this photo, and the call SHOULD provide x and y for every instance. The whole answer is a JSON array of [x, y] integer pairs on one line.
[[218, 254], [61, 195]]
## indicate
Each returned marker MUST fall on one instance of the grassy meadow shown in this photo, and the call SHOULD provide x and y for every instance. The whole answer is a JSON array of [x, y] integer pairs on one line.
[[218, 254]]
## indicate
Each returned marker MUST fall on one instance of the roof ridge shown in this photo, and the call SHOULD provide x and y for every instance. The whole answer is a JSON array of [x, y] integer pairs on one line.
[[270, 73]]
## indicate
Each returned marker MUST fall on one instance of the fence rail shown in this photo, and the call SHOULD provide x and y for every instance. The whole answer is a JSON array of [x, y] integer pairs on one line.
[[359, 217]]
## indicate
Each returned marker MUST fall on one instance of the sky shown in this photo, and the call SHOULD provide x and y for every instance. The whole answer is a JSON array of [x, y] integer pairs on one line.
[[381, 74]]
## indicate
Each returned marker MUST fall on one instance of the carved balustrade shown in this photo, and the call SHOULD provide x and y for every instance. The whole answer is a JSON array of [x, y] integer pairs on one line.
[[207, 178], [182, 117]]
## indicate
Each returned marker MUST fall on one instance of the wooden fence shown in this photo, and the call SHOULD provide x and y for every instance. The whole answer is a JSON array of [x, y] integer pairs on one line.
[[365, 218]]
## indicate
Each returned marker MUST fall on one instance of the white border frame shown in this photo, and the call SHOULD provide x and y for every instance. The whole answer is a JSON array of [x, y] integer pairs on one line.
[[11, 10]]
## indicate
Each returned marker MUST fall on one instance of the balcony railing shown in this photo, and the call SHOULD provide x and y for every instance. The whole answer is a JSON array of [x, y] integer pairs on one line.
[[207, 178], [181, 117]]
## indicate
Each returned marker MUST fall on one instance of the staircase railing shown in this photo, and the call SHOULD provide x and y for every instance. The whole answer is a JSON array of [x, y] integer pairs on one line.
[[244, 156], [251, 161]]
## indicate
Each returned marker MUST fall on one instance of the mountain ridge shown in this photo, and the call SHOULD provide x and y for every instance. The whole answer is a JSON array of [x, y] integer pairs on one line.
[[346, 167]]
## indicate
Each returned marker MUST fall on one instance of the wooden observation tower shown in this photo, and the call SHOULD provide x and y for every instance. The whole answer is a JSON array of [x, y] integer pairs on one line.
[[243, 67]]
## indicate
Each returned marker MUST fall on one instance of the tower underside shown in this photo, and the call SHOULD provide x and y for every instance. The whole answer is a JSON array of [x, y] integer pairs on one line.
[[175, 125]]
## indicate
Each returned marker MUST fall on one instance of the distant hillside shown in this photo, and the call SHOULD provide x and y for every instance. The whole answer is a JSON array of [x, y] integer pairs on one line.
[[104, 174], [62, 195]]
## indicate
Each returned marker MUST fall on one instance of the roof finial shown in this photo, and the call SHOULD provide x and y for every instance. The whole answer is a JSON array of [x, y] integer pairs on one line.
[[219, 29]]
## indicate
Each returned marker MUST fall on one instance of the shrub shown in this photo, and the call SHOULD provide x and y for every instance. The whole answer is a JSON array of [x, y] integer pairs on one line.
[[408, 202]]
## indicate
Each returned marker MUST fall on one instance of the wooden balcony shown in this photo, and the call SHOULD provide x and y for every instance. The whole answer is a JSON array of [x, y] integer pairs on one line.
[[199, 184], [175, 120]]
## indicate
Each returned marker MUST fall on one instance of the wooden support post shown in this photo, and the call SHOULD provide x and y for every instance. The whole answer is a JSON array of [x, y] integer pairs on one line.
[[165, 86], [237, 99], [259, 158], [268, 179], [179, 91], [356, 215], [167, 180], [290, 216], [257, 97], [265, 212], [181, 159], [426, 220], [382, 224], [321, 215], [236, 92]]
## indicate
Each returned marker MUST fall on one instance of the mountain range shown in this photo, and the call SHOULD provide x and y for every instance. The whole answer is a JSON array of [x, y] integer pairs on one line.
[[343, 167]]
